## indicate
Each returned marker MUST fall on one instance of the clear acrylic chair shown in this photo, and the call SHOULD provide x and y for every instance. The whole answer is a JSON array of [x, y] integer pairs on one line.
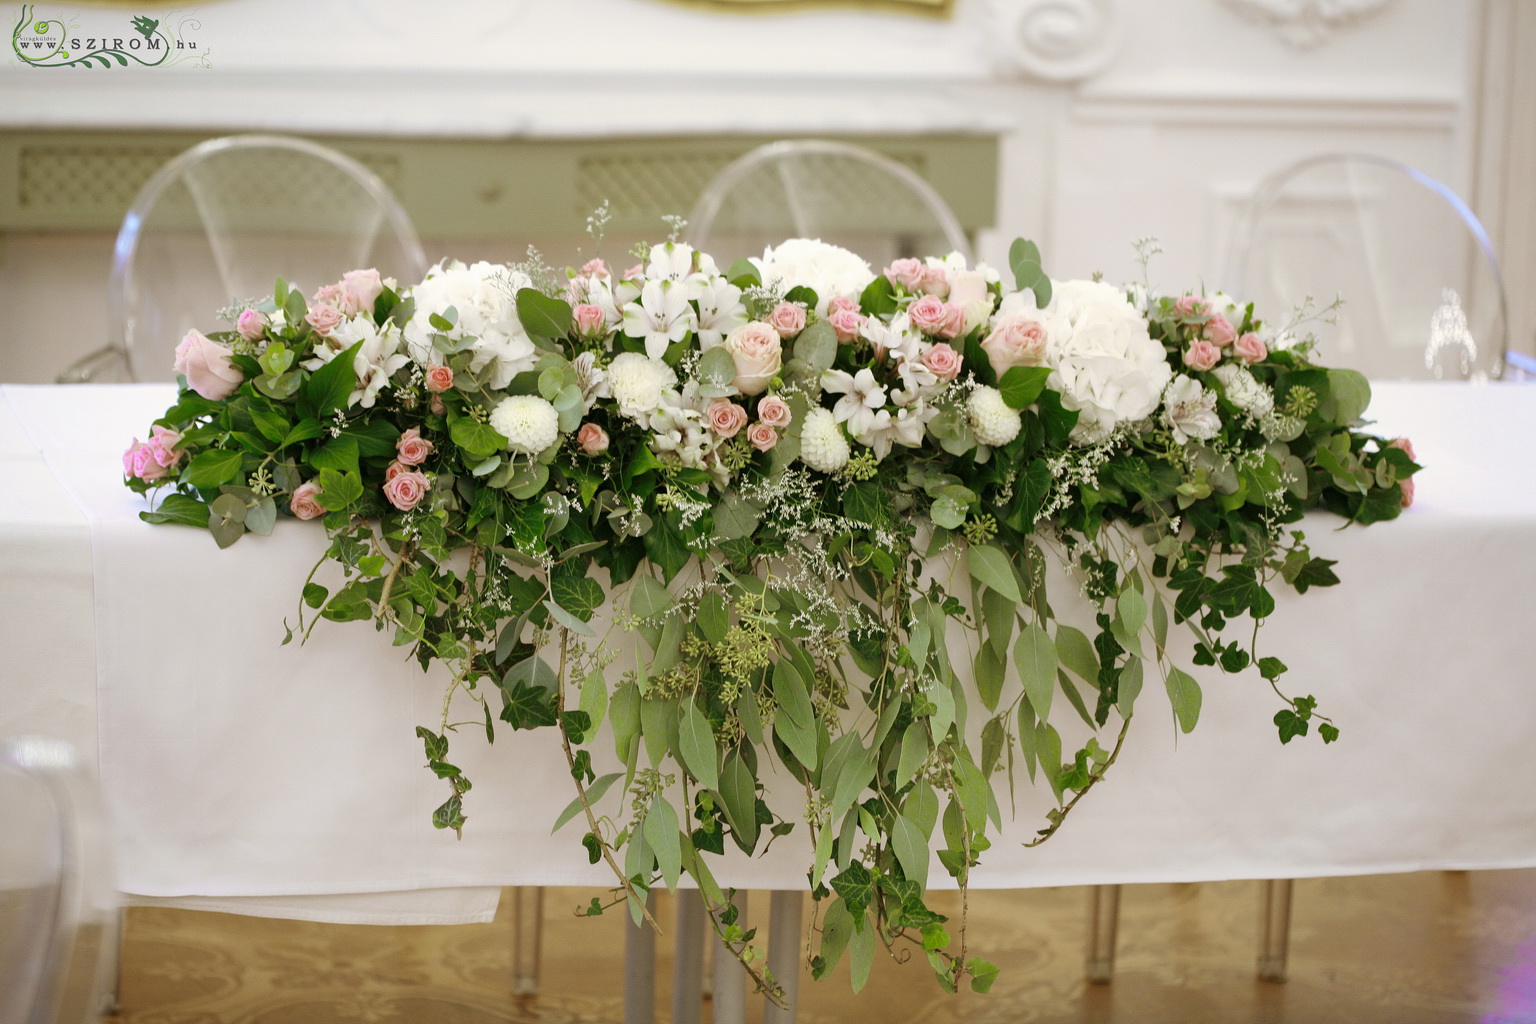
[[843, 194], [220, 223], [58, 903], [1423, 297]]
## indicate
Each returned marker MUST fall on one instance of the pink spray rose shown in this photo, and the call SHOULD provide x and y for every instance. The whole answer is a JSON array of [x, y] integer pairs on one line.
[[359, 290], [1015, 341], [840, 303], [1219, 331], [762, 436], [773, 411], [590, 321], [759, 355], [251, 325], [1250, 348], [413, 448], [207, 367], [324, 318], [595, 269], [406, 489], [150, 460], [305, 503], [846, 323], [1191, 307], [1405, 485], [944, 361], [930, 315], [725, 417], [436, 404], [592, 438], [1201, 356], [439, 378], [788, 318], [907, 273]]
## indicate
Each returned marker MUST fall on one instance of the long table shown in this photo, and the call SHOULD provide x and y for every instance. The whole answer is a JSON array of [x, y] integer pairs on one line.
[[245, 775]]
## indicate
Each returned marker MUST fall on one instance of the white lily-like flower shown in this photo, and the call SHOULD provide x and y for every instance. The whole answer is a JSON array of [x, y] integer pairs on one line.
[[1189, 410], [906, 427], [662, 317], [862, 395], [592, 380], [673, 261], [901, 341], [720, 312], [600, 294]]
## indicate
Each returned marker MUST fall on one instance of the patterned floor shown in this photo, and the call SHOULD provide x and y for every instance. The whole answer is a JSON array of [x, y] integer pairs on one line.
[[1432, 948]]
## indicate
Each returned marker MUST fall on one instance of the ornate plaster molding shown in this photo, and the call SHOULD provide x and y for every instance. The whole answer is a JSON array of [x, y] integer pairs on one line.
[[1305, 24], [1057, 40]]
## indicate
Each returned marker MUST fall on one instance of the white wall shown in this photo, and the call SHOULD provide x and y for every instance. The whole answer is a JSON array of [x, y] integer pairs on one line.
[[1118, 118]]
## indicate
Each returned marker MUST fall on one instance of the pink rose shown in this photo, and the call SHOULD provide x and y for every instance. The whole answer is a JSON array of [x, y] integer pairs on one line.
[[954, 321], [930, 315], [759, 355], [149, 461], [436, 404], [1192, 307], [324, 318], [762, 436], [943, 361], [305, 502], [935, 281], [840, 303], [1201, 356], [1406, 486], [359, 290], [406, 488], [207, 367], [1250, 348], [251, 325], [1219, 331], [725, 417], [590, 321], [328, 295], [439, 378], [1015, 341], [413, 448], [846, 323], [592, 438], [788, 318], [594, 268], [907, 273], [966, 286], [773, 411]]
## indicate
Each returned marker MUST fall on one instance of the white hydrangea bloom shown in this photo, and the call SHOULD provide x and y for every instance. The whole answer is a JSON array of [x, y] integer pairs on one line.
[[637, 381], [828, 270], [823, 446], [484, 297], [993, 420], [1244, 391], [1190, 411], [528, 422], [1103, 360]]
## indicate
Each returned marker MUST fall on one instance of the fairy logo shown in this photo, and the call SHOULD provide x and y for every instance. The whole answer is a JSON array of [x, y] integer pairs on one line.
[[49, 42]]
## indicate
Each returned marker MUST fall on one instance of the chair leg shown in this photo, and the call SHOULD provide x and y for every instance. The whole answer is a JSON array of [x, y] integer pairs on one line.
[[639, 970], [527, 931], [730, 991], [1274, 928], [688, 963], [1103, 928], [112, 936], [784, 910]]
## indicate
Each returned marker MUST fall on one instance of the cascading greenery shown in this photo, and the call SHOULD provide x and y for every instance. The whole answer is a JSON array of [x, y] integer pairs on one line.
[[879, 632]]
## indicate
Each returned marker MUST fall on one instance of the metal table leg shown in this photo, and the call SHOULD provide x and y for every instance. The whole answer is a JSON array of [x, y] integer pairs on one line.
[[1103, 928]]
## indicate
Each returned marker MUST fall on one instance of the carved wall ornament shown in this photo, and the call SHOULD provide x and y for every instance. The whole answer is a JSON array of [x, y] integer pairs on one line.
[[1057, 40], [1305, 24]]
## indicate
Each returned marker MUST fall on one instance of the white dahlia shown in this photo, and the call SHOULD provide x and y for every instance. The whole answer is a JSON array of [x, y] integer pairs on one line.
[[528, 422], [993, 421], [823, 446], [637, 381]]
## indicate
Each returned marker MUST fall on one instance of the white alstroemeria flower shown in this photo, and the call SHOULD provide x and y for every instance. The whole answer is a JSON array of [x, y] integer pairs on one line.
[[720, 312], [862, 395], [376, 361], [1190, 410], [600, 294], [673, 262], [662, 317], [592, 380], [903, 341], [916, 377], [906, 427]]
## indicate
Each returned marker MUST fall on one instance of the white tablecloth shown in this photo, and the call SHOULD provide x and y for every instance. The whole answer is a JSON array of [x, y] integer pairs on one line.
[[243, 774]]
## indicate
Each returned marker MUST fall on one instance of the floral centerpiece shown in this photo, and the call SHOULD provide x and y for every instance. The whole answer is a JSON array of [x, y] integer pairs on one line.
[[797, 480]]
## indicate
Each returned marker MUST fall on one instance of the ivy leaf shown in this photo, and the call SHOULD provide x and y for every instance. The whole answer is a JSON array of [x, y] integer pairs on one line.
[[983, 974], [211, 468], [527, 707], [179, 508], [1021, 385], [853, 884], [665, 547], [328, 388], [478, 439], [579, 595], [1317, 572], [1290, 725]]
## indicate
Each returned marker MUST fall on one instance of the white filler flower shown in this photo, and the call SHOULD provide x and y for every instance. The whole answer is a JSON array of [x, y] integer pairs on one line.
[[823, 446], [637, 382], [993, 421], [528, 422]]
